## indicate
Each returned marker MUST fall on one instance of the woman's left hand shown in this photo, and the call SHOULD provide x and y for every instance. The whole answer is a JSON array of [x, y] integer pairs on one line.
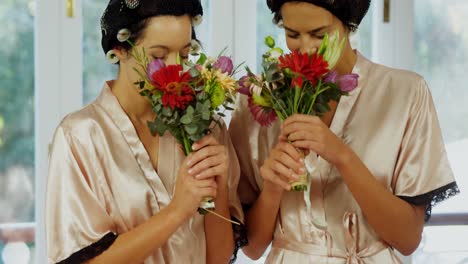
[[209, 159], [310, 133]]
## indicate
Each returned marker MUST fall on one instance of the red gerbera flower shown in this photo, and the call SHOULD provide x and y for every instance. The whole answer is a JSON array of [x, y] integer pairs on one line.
[[312, 67], [174, 85], [265, 117]]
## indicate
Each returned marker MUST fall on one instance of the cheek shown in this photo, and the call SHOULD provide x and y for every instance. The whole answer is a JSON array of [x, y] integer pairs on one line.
[[303, 43], [293, 44], [129, 67]]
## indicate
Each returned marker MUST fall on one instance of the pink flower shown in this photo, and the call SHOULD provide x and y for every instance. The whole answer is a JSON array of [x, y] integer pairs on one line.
[[331, 77], [224, 64], [244, 84], [346, 83], [265, 117], [154, 66]]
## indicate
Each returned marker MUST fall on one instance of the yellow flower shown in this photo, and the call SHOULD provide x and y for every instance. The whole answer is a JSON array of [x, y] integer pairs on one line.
[[206, 74], [260, 100], [227, 82]]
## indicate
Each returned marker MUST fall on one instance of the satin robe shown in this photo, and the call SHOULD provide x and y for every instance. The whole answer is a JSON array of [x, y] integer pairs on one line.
[[101, 181], [390, 122]]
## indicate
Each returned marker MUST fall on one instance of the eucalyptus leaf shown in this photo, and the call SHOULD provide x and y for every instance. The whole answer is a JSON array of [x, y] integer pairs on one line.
[[206, 115], [186, 119], [191, 129], [194, 72]]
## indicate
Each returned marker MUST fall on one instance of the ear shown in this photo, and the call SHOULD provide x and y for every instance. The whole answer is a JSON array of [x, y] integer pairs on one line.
[[121, 53]]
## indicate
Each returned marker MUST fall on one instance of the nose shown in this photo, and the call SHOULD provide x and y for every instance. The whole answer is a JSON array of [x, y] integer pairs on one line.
[[309, 45], [308, 49], [171, 58]]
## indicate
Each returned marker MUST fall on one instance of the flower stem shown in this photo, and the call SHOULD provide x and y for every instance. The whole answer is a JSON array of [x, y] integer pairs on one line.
[[315, 98], [186, 144]]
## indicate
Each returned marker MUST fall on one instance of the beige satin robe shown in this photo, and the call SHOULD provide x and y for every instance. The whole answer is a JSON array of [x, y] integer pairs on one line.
[[101, 180], [390, 122]]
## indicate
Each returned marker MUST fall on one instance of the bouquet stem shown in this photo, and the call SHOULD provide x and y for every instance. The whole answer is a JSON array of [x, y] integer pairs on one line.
[[301, 184], [207, 203]]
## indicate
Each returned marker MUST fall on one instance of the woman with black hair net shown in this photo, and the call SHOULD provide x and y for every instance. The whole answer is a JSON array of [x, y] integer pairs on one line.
[[381, 163], [115, 193]]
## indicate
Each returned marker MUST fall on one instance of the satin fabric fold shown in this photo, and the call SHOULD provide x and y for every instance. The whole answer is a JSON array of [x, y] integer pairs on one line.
[[101, 180], [390, 122]]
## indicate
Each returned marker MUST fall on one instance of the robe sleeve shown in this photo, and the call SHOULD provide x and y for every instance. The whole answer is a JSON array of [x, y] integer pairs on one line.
[[422, 174], [78, 226]]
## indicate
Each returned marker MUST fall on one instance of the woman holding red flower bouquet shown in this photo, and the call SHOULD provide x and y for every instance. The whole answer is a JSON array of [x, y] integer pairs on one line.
[[116, 193], [381, 162]]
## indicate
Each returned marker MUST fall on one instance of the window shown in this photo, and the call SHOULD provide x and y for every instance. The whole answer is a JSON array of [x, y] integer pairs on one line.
[[16, 129], [96, 69], [441, 56]]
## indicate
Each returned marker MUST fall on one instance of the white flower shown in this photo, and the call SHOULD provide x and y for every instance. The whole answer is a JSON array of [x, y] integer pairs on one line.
[[197, 20], [257, 90], [123, 35], [275, 53], [112, 57], [210, 61], [195, 47], [331, 49], [280, 24]]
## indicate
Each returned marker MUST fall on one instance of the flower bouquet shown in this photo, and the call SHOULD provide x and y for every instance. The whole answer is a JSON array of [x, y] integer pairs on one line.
[[296, 83], [188, 98]]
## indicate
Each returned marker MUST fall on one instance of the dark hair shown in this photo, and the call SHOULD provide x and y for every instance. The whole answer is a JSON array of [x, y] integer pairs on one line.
[[135, 14], [137, 30], [349, 12]]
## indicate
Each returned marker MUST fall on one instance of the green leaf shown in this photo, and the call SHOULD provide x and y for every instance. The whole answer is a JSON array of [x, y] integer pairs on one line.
[[206, 105], [206, 115], [191, 129], [194, 72], [158, 107], [186, 119], [190, 110], [202, 59], [167, 111], [153, 128], [297, 93], [161, 127], [321, 108]]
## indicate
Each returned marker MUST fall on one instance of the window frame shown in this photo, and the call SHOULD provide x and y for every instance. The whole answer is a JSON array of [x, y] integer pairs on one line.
[[58, 71]]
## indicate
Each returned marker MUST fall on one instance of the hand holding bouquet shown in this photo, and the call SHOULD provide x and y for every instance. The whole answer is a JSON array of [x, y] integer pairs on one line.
[[187, 98], [296, 83]]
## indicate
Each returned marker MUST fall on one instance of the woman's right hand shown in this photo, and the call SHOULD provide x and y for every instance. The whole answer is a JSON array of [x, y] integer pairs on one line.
[[283, 165], [190, 191]]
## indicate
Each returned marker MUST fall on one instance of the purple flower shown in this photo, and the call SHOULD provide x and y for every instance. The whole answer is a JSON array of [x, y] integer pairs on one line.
[[153, 67], [331, 77], [224, 64], [348, 82], [264, 116], [244, 84]]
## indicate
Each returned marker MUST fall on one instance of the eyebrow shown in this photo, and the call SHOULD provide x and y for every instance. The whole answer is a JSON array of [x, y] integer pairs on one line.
[[167, 48], [314, 31]]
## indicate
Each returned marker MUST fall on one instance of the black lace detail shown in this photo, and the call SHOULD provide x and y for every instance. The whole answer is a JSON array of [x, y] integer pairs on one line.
[[91, 251], [240, 235], [246, 207], [432, 198]]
